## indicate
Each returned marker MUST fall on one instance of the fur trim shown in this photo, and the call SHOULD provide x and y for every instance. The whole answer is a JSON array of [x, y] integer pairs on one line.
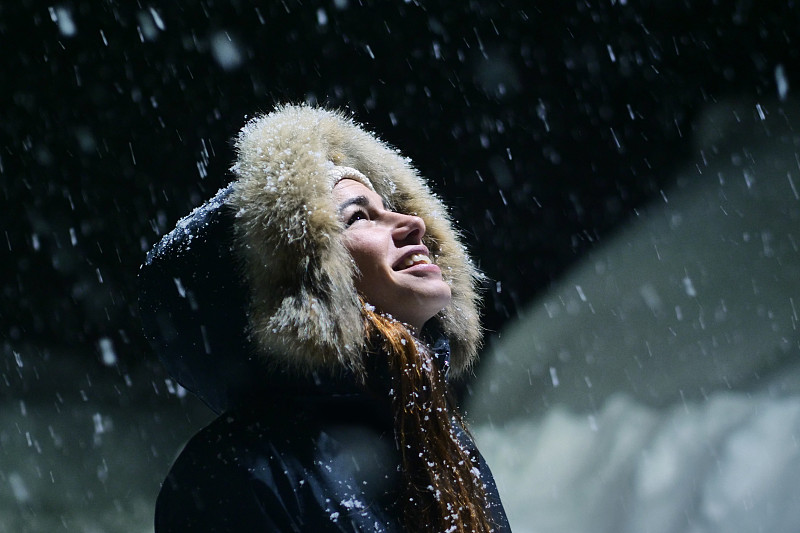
[[304, 309]]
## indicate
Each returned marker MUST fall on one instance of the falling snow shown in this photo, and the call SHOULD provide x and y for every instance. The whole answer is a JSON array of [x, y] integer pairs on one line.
[[226, 51], [639, 365], [63, 19]]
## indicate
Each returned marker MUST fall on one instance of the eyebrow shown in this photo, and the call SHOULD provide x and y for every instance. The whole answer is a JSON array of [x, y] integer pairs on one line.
[[361, 201]]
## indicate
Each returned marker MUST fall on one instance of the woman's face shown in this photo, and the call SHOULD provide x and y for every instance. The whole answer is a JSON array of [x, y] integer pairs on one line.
[[396, 272]]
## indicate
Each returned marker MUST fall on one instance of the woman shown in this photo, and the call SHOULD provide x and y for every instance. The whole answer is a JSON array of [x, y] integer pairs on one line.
[[319, 303]]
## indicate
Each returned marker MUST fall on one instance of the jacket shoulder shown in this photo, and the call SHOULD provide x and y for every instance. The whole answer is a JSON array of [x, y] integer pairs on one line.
[[280, 473], [221, 482]]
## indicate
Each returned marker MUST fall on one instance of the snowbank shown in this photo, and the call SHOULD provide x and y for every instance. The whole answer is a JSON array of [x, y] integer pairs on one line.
[[655, 387], [728, 464]]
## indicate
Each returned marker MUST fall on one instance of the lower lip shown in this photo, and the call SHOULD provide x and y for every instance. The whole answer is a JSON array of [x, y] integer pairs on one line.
[[422, 267]]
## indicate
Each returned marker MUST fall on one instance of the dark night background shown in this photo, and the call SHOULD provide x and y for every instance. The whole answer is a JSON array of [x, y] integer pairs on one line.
[[543, 127], [546, 126]]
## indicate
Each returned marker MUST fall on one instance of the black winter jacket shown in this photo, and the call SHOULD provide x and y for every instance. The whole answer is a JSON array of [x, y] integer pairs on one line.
[[321, 458]]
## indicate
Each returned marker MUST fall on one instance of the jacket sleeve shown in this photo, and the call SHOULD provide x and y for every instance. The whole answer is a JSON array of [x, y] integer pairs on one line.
[[493, 502], [206, 492]]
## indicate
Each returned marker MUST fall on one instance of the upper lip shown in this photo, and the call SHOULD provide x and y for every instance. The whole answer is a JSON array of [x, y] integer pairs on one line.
[[399, 264]]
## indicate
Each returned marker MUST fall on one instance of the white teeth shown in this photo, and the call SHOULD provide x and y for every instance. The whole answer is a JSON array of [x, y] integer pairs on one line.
[[416, 258]]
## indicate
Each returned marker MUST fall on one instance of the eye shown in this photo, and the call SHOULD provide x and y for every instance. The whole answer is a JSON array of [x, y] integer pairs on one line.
[[356, 216]]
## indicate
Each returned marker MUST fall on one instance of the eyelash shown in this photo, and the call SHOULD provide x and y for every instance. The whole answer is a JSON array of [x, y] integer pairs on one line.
[[357, 215]]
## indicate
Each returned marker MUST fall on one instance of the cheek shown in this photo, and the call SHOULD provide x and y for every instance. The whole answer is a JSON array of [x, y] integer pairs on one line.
[[371, 281], [368, 254]]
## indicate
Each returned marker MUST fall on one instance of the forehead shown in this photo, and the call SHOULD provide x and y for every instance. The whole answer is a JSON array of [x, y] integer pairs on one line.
[[347, 189]]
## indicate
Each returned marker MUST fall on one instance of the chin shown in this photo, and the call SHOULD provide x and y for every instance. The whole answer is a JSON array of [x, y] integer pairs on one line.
[[413, 304], [428, 307]]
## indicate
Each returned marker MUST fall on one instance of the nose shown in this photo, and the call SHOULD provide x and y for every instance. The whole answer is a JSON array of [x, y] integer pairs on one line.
[[408, 229]]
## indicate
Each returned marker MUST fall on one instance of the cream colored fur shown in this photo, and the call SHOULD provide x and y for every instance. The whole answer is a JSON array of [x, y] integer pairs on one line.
[[304, 309]]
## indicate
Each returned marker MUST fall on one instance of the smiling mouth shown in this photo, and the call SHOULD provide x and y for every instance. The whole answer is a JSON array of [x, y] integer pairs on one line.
[[415, 259]]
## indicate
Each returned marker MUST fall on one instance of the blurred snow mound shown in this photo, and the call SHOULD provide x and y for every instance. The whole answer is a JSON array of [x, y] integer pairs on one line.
[[725, 465], [656, 388]]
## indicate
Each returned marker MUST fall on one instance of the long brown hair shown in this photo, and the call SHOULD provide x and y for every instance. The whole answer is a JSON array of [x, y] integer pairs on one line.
[[442, 489]]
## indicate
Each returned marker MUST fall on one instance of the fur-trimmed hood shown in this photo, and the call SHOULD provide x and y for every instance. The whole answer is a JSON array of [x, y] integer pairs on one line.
[[281, 241], [304, 303]]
